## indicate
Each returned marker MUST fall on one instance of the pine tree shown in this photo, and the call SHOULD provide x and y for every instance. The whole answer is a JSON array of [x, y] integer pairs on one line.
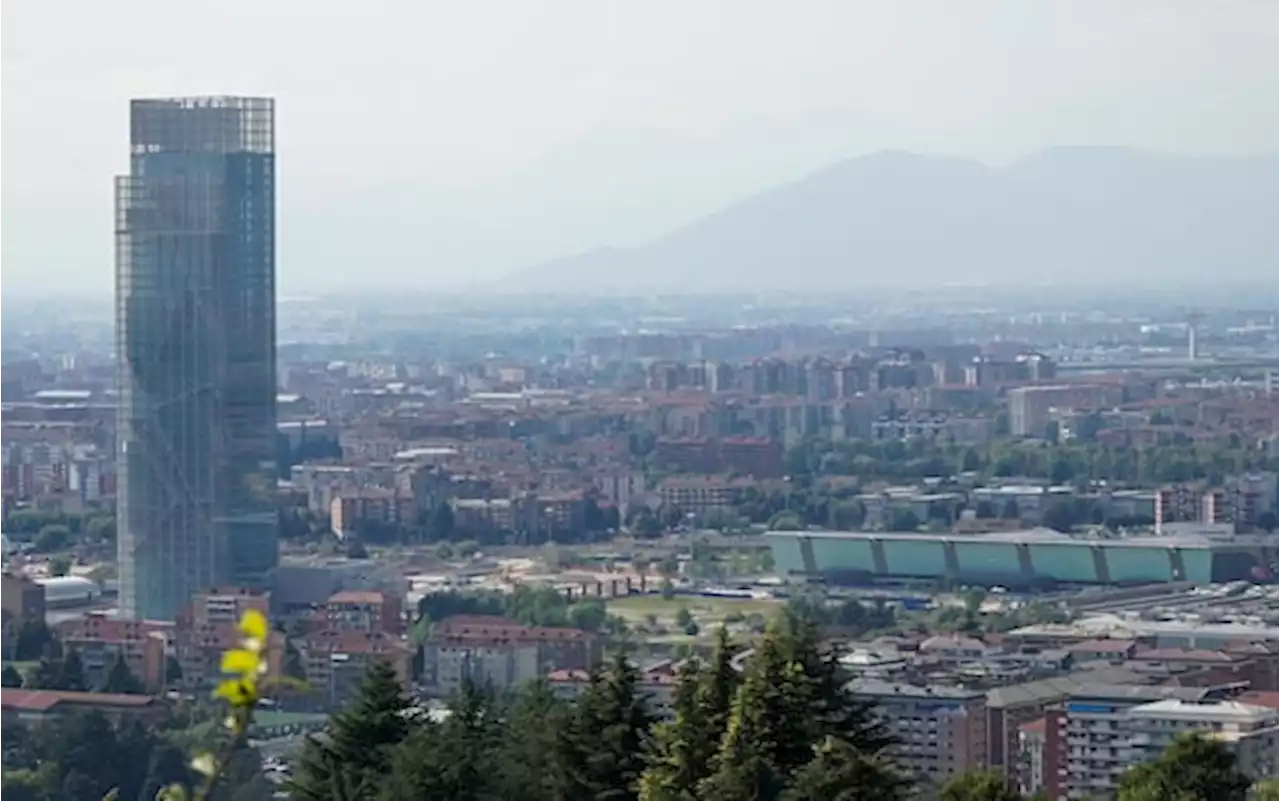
[[839, 772], [601, 755], [58, 669], [243, 779], [10, 677], [744, 767], [673, 770], [782, 680], [682, 749], [987, 785], [353, 759], [835, 711], [119, 679], [533, 723], [718, 687], [456, 759], [71, 672]]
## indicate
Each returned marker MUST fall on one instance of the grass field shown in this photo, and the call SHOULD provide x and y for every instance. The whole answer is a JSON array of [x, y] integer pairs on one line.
[[707, 612]]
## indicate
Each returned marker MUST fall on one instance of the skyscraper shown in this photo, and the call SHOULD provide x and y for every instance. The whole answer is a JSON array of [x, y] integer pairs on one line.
[[195, 348]]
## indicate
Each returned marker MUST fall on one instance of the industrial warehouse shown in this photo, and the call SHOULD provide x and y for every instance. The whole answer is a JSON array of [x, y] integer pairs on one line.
[[1024, 559]]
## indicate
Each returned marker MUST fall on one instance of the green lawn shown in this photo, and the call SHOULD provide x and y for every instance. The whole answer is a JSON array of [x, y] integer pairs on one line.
[[706, 611]]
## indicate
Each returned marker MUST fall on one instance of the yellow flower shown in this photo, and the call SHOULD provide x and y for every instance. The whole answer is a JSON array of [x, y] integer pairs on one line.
[[253, 625], [174, 792], [237, 691], [241, 662], [204, 765]]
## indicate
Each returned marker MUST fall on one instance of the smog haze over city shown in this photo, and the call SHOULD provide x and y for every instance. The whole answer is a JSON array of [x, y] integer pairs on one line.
[[653, 401], [460, 146]]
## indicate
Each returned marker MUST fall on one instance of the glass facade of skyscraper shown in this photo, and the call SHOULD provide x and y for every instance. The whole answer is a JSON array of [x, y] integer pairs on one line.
[[195, 348]]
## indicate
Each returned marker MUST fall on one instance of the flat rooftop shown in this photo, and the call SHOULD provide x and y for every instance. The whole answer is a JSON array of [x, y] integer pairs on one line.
[[1035, 536]]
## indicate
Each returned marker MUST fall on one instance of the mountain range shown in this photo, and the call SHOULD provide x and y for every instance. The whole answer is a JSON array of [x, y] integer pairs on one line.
[[1059, 217]]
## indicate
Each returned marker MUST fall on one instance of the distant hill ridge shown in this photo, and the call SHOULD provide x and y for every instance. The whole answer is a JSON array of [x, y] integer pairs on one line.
[[1061, 216]]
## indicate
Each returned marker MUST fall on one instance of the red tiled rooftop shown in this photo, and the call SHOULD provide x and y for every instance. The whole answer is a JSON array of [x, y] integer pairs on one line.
[[1265, 698], [356, 597], [454, 621], [43, 700]]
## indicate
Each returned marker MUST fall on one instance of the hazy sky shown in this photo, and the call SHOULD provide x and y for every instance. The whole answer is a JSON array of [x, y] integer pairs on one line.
[[427, 143]]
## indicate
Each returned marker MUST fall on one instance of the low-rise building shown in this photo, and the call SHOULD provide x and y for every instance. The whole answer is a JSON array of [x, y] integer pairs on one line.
[[101, 641], [335, 662], [38, 706], [364, 610], [657, 686], [500, 651]]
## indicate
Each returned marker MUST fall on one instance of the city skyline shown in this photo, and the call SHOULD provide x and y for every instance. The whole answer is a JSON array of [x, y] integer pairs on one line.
[[195, 306]]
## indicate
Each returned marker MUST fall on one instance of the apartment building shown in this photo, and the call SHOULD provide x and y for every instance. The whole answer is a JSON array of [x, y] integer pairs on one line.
[[198, 649], [221, 606], [700, 494], [500, 651], [941, 730], [1248, 731], [1030, 407], [143, 645], [367, 611], [758, 457], [23, 597], [368, 505], [335, 662], [1091, 737]]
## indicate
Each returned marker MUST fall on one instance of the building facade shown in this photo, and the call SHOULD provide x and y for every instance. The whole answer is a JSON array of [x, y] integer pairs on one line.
[[1014, 559], [941, 731], [195, 349]]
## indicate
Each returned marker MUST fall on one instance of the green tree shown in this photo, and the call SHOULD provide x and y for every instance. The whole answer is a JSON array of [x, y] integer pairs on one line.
[[1266, 790], [530, 743], [53, 537], [58, 670], [59, 566], [989, 785], [683, 616], [682, 750], [353, 759], [71, 675], [120, 679], [903, 520], [673, 773], [602, 747], [456, 759], [833, 709], [243, 779], [840, 772], [10, 677], [34, 638], [751, 763], [786, 520], [588, 614], [1060, 516], [101, 529], [1193, 768]]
